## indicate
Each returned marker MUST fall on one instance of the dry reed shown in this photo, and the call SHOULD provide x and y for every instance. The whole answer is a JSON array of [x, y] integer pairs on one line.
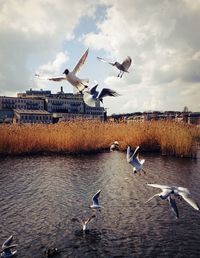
[[169, 137]]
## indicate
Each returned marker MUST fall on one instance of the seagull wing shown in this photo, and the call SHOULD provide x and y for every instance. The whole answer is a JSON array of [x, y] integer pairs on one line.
[[56, 79], [187, 198], [151, 198], [129, 153], [8, 247], [93, 91], [182, 189], [107, 92], [135, 153], [102, 60], [90, 218], [8, 242], [80, 62], [173, 206], [95, 198], [127, 63], [160, 186]]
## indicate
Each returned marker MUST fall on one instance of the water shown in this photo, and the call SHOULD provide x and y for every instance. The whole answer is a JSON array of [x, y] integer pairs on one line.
[[40, 195]]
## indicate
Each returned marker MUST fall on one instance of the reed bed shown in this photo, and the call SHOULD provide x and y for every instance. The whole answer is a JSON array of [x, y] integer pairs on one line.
[[168, 137]]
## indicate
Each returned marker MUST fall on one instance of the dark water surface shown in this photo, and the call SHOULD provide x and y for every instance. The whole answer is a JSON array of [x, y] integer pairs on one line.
[[40, 195]]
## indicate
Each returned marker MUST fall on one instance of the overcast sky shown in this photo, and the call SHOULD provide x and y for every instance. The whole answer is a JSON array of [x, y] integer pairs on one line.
[[161, 36]]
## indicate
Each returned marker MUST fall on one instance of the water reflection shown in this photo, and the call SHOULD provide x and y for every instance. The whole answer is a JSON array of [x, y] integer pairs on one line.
[[40, 195]]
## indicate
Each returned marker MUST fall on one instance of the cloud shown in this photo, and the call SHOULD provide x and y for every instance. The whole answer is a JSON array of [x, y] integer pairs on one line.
[[32, 33], [54, 67], [164, 45]]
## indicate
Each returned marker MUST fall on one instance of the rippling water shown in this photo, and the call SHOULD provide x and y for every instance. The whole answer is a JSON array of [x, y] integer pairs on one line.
[[40, 195]]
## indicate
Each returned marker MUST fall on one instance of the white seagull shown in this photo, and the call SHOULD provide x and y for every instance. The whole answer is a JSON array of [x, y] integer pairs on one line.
[[114, 146], [84, 223], [91, 96], [95, 201], [71, 77], [123, 67], [170, 192], [133, 159], [7, 246]]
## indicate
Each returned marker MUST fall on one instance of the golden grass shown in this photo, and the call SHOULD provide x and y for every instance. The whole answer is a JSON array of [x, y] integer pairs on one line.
[[169, 137]]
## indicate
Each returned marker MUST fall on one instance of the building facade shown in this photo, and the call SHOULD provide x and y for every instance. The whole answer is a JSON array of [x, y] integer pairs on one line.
[[10, 103], [63, 106], [32, 116]]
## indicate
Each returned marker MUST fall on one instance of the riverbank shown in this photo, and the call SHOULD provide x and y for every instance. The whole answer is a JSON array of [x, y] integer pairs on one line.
[[167, 137]]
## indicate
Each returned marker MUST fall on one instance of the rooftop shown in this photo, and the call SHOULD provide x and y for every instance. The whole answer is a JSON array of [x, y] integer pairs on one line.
[[32, 111]]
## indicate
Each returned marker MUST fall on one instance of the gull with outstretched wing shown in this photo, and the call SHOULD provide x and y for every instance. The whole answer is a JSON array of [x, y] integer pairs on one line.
[[76, 82], [91, 96], [7, 247], [84, 223], [170, 193], [122, 67], [95, 201], [133, 159]]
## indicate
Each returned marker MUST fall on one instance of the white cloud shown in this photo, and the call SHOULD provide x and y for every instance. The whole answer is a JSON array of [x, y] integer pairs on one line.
[[54, 67], [32, 33], [164, 45]]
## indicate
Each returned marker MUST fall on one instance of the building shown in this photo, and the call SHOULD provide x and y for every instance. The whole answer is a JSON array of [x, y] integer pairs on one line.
[[194, 118], [34, 93], [6, 116], [32, 116], [62, 106], [67, 106], [10, 103]]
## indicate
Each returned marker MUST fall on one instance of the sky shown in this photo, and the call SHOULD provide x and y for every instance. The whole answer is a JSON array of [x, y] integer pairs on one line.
[[161, 36]]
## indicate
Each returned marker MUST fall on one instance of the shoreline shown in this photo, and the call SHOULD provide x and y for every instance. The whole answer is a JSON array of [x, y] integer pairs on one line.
[[87, 153], [90, 137]]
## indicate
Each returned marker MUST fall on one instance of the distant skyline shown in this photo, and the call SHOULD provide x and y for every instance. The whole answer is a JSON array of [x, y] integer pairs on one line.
[[161, 36]]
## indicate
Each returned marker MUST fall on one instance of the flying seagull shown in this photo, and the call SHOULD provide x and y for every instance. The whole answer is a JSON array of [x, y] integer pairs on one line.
[[91, 96], [170, 192], [133, 159], [123, 67], [7, 246], [79, 84], [95, 201], [84, 223], [114, 146]]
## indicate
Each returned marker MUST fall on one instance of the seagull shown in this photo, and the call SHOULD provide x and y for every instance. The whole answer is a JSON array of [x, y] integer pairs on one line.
[[92, 96], [170, 192], [95, 201], [114, 146], [123, 67], [7, 246], [133, 159], [79, 84], [84, 223]]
